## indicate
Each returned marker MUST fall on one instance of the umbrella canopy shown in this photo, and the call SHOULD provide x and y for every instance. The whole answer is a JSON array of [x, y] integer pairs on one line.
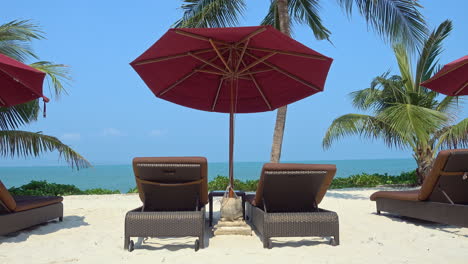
[[452, 79], [231, 70], [19, 83]]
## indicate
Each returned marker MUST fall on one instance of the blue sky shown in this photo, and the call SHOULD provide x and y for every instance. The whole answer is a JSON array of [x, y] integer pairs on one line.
[[110, 116]]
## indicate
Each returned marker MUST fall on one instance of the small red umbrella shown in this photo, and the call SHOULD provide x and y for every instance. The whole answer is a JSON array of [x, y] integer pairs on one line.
[[231, 70], [452, 79], [19, 83]]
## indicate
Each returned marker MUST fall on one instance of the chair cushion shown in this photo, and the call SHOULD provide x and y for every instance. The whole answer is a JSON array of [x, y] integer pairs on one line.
[[6, 198], [24, 203], [396, 195]]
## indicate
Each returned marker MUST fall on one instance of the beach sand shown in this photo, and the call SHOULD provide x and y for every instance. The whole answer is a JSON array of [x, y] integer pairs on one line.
[[92, 232]]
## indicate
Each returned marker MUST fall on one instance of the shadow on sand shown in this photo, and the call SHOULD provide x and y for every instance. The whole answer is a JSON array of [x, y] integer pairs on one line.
[[344, 194], [69, 222], [454, 230], [172, 244]]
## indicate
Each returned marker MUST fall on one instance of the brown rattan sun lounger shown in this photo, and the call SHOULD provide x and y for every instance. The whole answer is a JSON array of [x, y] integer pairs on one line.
[[20, 212], [442, 198], [174, 192], [286, 202]]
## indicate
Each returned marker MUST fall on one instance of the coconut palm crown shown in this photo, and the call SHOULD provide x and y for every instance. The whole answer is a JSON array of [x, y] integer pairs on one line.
[[405, 114], [15, 39]]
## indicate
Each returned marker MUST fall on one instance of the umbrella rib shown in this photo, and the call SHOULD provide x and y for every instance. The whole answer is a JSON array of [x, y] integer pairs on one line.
[[220, 55], [207, 62], [185, 77], [180, 55], [200, 37], [292, 76], [461, 88], [258, 61], [238, 77], [210, 72], [217, 94], [242, 53], [255, 72], [291, 53], [451, 70], [251, 35], [252, 78]]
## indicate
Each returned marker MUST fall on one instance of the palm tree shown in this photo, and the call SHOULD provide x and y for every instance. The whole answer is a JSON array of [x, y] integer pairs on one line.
[[405, 114], [15, 39], [394, 20]]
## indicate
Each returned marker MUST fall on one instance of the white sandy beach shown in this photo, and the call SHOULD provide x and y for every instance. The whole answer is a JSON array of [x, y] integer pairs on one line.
[[92, 232]]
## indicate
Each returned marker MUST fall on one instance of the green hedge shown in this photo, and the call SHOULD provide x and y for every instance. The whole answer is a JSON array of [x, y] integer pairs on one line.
[[220, 183], [54, 189]]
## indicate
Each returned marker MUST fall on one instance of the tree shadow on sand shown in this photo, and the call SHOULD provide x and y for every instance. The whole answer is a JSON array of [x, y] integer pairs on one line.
[[344, 194], [69, 222], [454, 230]]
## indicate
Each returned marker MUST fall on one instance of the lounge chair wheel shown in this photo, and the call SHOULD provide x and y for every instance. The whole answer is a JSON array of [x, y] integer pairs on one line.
[[131, 246], [197, 245], [333, 242]]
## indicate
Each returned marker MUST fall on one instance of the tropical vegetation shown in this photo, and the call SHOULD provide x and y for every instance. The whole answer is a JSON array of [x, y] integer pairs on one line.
[[404, 114], [15, 42], [406, 179], [394, 20]]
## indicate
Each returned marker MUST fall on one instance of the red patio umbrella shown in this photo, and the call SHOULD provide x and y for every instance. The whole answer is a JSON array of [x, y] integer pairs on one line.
[[19, 83], [452, 79], [231, 70]]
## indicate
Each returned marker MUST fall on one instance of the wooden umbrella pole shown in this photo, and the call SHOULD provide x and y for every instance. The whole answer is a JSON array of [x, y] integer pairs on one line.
[[231, 141]]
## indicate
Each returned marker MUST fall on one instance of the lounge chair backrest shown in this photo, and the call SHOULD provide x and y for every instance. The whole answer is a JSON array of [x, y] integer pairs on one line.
[[171, 183], [287, 187], [7, 203], [447, 178]]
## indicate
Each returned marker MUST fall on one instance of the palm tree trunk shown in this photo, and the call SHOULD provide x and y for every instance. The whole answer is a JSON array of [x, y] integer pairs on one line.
[[425, 161], [281, 113]]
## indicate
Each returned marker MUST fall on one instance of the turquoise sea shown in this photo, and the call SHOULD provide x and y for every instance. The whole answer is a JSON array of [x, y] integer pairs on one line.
[[120, 177]]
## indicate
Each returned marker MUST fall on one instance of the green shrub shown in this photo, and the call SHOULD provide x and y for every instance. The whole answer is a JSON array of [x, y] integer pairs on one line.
[[221, 183], [100, 191], [372, 180], [218, 183], [43, 188], [133, 190]]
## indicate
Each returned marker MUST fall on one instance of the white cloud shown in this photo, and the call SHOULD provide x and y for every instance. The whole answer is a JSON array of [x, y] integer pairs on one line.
[[156, 133], [70, 136], [112, 132]]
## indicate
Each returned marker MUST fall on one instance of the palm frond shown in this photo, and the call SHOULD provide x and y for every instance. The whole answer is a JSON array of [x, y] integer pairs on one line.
[[301, 12], [450, 104], [58, 74], [15, 38], [368, 127], [396, 20], [455, 136], [18, 115], [428, 61], [15, 143], [366, 98], [307, 12], [404, 65], [413, 121], [210, 13]]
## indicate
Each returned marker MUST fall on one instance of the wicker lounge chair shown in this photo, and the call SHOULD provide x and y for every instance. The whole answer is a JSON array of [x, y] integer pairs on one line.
[[174, 192], [286, 202], [20, 212], [443, 197]]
